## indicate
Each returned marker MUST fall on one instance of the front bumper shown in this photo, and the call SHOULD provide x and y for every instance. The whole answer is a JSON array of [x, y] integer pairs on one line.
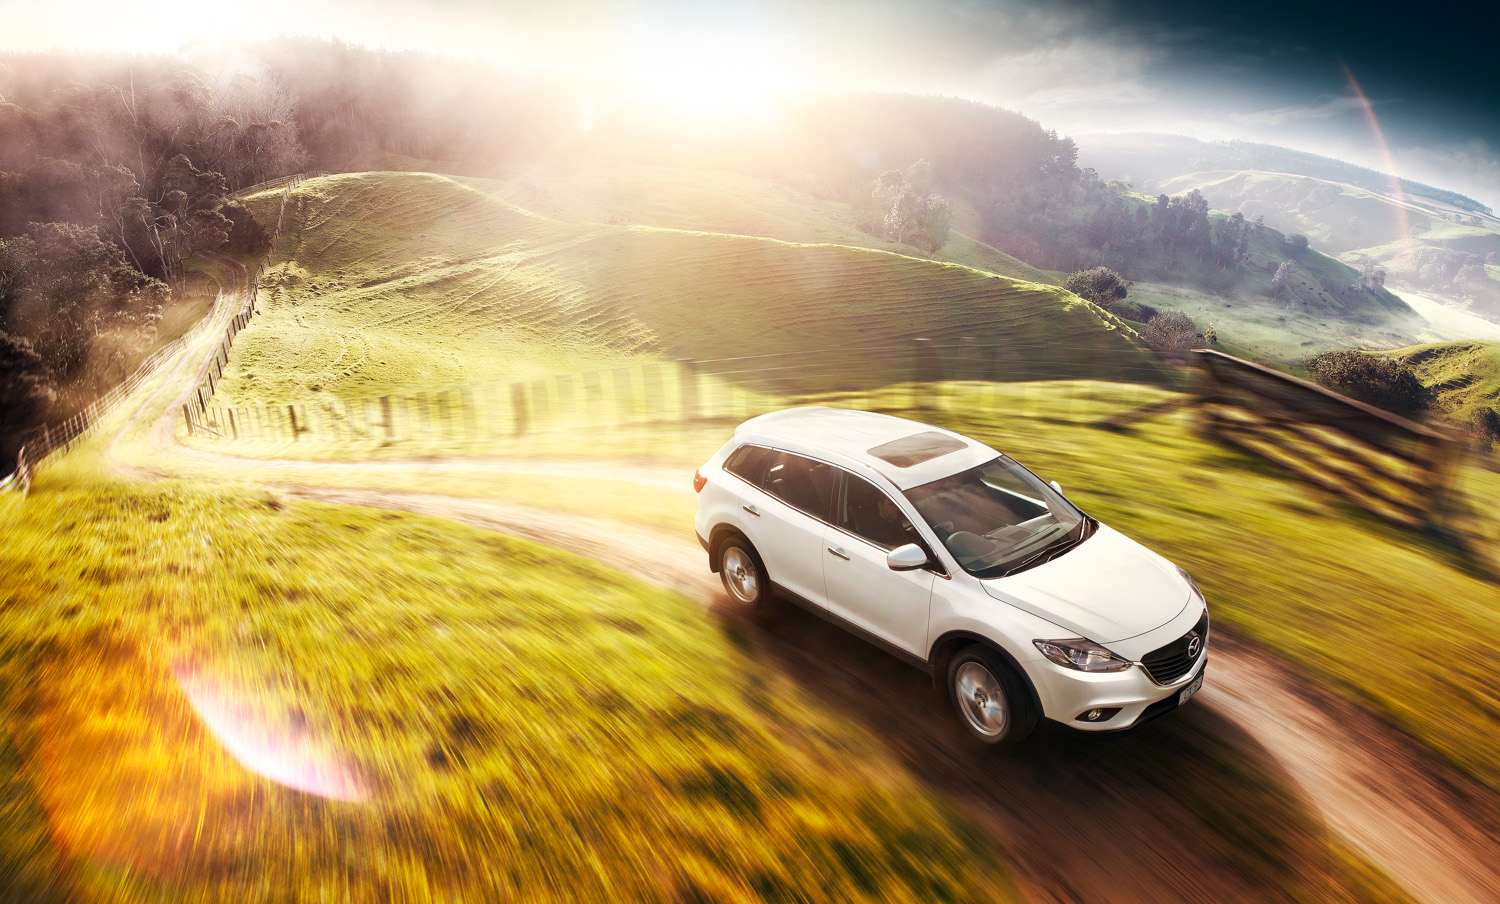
[[1066, 695]]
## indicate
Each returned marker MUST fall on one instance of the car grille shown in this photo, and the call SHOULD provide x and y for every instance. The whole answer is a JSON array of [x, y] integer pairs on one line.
[[1169, 663]]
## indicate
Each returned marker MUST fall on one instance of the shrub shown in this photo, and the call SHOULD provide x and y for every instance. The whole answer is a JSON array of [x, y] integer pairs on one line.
[[1172, 333], [1100, 285], [1372, 379]]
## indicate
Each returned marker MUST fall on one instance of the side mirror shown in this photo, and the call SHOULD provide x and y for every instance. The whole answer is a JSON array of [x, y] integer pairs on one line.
[[906, 558], [1054, 486]]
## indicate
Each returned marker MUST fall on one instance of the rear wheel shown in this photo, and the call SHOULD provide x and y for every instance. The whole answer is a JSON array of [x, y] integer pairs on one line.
[[988, 695], [743, 574]]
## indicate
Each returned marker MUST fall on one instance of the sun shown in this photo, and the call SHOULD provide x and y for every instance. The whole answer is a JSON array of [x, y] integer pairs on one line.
[[701, 71]]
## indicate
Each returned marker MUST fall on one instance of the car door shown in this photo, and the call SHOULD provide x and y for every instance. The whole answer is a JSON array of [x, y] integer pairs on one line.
[[784, 508], [861, 588]]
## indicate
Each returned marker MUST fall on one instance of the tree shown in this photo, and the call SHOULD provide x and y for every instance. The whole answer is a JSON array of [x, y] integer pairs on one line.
[[26, 392], [1373, 277], [1283, 273], [888, 188], [1100, 285], [75, 292], [934, 223], [903, 214], [1171, 333], [1297, 242], [1485, 425], [1372, 379]]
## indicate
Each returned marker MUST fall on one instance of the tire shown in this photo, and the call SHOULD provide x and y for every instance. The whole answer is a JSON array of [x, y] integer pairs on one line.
[[744, 574], [992, 705]]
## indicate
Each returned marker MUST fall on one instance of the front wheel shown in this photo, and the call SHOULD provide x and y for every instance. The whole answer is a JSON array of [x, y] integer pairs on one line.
[[743, 574], [990, 700]]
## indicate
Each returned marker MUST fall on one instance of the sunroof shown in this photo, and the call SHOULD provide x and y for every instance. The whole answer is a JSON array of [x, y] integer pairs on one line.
[[917, 448]]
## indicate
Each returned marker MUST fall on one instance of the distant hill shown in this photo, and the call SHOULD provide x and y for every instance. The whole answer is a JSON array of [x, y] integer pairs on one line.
[[700, 200], [1451, 255], [1147, 157]]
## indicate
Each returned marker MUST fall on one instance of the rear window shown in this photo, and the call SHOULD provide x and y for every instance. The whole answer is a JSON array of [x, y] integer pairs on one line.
[[917, 448], [799, 482]]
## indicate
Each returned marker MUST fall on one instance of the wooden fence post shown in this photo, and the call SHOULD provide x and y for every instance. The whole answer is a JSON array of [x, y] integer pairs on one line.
[[470, 416], [688, 380], [925, 370], [968, 359], [593, 393], [385, 415], [233, 426], [187, 418], [291, 413], [624, 394], [518, 405], [445, 412]]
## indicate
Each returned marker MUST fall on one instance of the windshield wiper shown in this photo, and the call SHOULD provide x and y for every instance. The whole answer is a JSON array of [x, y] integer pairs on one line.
[[1053, 550]]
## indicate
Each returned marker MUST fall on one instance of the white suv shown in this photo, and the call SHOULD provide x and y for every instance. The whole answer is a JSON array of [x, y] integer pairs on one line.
[[955, 557]]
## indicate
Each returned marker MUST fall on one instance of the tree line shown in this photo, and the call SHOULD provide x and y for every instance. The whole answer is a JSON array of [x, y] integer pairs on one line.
[[113, 172]]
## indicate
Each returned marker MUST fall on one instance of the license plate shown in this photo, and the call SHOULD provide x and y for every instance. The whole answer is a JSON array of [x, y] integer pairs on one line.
[[1188, 692]]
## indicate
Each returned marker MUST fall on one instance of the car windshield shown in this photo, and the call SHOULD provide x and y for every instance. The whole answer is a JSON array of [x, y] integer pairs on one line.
[[999, 518]]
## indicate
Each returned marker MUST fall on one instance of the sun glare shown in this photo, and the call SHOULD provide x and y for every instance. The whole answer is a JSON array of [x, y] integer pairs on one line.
[[702, 72]]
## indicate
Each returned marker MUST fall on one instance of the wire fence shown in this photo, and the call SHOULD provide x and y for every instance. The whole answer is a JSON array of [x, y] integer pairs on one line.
[[924, 372], [58, 438]]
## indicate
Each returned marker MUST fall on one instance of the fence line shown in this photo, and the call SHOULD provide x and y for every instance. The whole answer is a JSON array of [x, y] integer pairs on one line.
[[636, 395], [1400, 470], [60, 438]]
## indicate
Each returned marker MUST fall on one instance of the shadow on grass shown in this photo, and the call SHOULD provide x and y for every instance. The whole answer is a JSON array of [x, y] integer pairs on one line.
[[1187, 808]]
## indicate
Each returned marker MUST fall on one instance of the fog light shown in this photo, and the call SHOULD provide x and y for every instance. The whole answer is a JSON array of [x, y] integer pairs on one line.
[[1098, 715]]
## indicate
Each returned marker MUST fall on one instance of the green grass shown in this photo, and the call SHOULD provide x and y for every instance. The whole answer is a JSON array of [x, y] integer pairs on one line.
[[397, 282], [521, 724], [1265, 329]]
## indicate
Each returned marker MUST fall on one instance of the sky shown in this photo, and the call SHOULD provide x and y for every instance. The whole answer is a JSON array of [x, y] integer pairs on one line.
[[1404, 88]]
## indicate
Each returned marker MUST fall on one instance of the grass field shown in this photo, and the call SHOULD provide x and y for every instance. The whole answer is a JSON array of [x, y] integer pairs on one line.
[[469, 711], [435, 713], [390, 282]]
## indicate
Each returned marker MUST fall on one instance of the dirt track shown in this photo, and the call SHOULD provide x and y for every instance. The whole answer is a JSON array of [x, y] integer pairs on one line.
[[1079, 826]]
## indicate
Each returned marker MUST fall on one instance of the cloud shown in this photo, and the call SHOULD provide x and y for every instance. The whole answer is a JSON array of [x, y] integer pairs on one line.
[[1281, 116]]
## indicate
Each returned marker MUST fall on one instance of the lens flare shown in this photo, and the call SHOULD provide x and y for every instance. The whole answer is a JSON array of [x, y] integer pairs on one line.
[[276, 749], [1387, 159]]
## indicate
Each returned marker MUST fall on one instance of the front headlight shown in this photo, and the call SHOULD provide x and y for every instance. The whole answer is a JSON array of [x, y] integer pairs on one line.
[[1189, 578], [1080, 654]]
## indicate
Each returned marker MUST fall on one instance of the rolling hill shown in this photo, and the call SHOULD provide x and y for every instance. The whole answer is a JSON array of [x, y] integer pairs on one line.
[[389, 281], [1448, 253]]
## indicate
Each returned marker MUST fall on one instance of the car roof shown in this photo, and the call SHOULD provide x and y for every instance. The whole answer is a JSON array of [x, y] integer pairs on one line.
[[841, 433]]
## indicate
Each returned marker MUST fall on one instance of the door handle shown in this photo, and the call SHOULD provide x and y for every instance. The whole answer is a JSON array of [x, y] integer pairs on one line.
[[840, 553], [751, 510]]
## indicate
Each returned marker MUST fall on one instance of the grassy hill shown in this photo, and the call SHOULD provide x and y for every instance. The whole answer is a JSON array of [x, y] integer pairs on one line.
[[389, 281], [716, 201], [1465, 375]]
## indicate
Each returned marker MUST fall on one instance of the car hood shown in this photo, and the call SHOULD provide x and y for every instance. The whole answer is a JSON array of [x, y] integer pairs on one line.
[[1108, 588]]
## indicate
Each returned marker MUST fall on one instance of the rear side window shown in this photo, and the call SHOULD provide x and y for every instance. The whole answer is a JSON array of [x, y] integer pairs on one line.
[[749, 462], [799, 482]]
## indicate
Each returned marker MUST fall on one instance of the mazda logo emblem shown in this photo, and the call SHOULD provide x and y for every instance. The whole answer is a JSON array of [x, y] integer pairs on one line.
[[1195, 643]]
